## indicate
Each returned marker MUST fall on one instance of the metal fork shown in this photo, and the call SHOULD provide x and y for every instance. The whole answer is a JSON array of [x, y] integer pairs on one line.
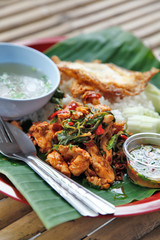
[[16, 144]]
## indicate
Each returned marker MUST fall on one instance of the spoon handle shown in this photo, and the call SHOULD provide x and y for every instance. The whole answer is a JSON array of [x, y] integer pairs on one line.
[[88, 198], [43, 170]]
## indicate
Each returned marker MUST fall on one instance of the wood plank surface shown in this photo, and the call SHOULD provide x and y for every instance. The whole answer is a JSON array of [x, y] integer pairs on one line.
[[28, 20], [31, 20], [128, 228], [18, 221], [11, 210], [24, 228], [77, 229], [153, 235]]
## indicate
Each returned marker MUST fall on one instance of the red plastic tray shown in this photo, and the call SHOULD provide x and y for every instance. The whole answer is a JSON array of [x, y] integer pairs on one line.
[[146, 205]]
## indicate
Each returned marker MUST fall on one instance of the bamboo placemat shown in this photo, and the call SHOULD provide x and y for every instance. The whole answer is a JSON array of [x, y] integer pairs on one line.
[[28, 20]]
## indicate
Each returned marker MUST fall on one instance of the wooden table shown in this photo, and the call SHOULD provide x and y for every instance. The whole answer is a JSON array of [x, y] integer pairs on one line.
[[19, 221], [30, 20]]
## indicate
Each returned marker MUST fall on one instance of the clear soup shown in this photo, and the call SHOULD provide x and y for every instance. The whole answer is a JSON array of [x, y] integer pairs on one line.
[[18, 81]]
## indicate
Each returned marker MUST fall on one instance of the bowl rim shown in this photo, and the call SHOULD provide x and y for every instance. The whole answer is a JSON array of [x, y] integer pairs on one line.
[[53, 87], [139, 136]]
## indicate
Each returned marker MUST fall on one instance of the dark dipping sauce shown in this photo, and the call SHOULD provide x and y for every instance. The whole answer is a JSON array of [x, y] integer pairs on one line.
[[144, 166]]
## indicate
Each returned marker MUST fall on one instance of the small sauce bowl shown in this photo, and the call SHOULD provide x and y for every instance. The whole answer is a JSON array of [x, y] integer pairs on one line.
[[141, 168], [12, 53]]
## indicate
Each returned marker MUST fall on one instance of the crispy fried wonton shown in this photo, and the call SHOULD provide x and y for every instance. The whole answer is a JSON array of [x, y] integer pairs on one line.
[[107, 78]]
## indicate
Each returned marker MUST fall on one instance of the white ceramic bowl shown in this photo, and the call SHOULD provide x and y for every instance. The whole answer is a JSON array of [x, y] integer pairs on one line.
[[12, 53]]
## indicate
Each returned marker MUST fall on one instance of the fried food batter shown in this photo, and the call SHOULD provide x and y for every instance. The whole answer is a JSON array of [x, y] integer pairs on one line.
[[108, 78], [79, 88]]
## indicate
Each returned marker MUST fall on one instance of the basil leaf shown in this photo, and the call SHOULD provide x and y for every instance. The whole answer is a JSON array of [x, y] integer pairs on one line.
[[56, 147], [112, 142], [58, 94]]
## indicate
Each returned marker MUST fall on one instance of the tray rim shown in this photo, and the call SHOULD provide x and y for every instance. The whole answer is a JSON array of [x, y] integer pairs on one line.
[[147, 205]]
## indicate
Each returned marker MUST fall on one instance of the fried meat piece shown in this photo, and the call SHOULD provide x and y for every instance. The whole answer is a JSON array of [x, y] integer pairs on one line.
[[69, 160], [42, 135], [17, 124], [102, 107], [110, 79], [77, 158], [103, 172], [56, 161], [95, 180]]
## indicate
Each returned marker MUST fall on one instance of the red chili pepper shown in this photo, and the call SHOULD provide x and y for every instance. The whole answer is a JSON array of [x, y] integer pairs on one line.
[[93, 95], [63, 111], [89, 143], [99, 130], [73, 106], [124, 136], [53, 115], [120, 166], [134, 173], [119, 176], [56, 127], [56, 113], [70, 123]]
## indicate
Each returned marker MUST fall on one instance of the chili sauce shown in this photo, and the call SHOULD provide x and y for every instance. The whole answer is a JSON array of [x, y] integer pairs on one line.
[[144, 168]]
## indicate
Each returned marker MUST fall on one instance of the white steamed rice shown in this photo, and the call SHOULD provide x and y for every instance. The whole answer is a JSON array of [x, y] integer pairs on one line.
[[117, 107]]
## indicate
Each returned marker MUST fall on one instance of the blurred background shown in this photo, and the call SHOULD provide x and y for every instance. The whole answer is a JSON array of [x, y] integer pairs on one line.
[[25, 20]]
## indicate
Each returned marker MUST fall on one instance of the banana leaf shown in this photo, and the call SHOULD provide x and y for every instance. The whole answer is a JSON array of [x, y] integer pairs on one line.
[[111, 45]]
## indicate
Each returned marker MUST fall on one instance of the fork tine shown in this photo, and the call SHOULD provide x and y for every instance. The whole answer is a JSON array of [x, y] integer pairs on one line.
[[3, 135], [6, 133]]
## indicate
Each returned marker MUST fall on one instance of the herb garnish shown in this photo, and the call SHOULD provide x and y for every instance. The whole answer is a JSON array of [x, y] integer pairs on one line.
[[81, 129]]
